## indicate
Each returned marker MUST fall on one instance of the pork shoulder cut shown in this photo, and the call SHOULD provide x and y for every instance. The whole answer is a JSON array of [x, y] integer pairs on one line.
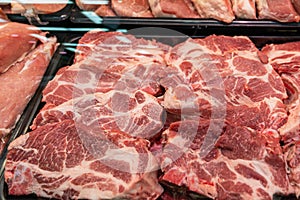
[[282, 11], [171, 8], [285, 60], [60, 161]]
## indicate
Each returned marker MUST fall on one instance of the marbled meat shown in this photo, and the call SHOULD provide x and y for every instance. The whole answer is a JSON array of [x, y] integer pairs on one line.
[[59, 160], [211, 114], [285, 58]]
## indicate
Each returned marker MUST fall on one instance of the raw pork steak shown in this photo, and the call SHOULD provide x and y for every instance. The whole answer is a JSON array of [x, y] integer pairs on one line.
[[239, 100], [109, 61], [19, 83], [215, 9], [244, 9], [60, 161], [16, 41], [138, 113], [243, 164], [285, 58], [223, 77], [282, 11], [173, 8], [131, 8]]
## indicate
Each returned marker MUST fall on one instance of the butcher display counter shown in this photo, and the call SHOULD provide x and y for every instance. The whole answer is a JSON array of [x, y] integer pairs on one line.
[[155, 107]]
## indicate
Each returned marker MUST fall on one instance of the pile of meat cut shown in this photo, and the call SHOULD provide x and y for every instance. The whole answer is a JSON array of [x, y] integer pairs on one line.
[[25, 53], [215, 116], [222, 10]]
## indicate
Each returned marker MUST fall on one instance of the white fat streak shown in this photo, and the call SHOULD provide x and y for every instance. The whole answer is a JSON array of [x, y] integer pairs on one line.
[[73, 173], [243, 8], [4, 131], [247, 6], [180, 142], [42, 38], [274, 56], [35, 151], [46, 50], [26, 66], [149, 46], [128, 155], [272, 102], [3, 26], [21, 141], [123, 39]]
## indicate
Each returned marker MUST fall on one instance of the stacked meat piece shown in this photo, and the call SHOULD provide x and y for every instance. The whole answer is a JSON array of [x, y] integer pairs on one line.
[[101, 109], [285, 60], [209, 114], [222, 10], [25, 53]]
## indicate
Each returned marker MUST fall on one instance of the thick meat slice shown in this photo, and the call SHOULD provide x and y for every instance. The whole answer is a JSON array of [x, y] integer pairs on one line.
[[105, 11], [292, 158], [60, 161], [173, 8], [124, 48], [131, 8], [282, 11], [243, 164], [107, 61], [296, 4], [215, 9], [137, 113], [244, 9], [222, 77], [16, 40], [81, 79], [285, 58], [19, 83]]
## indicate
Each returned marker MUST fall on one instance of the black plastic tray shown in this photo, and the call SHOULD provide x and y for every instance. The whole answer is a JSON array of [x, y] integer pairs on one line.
[[64, 56], [56, 18]]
